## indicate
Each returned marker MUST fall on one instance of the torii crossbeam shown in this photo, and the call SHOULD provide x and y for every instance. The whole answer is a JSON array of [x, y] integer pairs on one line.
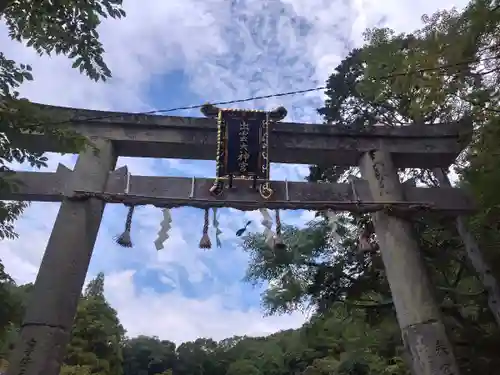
[[194, 192]]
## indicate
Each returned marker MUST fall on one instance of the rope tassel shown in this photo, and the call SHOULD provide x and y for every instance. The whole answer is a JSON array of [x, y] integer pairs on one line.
[[124, 239], [278, 241], [205, 242]]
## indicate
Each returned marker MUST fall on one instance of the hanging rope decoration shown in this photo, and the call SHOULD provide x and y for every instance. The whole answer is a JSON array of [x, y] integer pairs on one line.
[[124, 239], [278, 240], [205, 239]]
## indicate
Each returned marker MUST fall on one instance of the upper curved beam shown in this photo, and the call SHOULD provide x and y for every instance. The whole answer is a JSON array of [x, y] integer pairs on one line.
[[139, 135], [212, 111]]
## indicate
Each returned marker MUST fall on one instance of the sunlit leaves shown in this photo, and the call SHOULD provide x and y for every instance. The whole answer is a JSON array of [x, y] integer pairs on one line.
[[441, 68]]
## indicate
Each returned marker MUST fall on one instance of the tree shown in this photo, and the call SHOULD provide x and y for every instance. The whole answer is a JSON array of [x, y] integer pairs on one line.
[[243, 367], [10, 307], [197, 357], [314, 270], [97, 335], [451, 67], [68, 28], [95, 288], [145, 355]]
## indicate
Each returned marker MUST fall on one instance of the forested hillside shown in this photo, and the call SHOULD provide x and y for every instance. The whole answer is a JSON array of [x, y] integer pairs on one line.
[[344, 340], [449, 70]]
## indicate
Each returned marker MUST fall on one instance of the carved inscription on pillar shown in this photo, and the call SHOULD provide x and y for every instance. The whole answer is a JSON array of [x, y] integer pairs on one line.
[[25, 361], [429, 348]]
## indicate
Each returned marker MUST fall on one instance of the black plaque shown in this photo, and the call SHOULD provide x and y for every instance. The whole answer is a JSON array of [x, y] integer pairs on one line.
[[242, 146]]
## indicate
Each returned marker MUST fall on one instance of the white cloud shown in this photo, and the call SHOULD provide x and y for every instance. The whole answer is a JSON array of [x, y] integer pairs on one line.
[[179, 319], [228, 50]]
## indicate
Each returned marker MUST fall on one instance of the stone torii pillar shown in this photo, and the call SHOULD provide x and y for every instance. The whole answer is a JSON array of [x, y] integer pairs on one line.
[[419, 317], [50, 313]]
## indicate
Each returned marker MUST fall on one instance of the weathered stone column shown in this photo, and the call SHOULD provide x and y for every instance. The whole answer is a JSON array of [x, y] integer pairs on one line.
[[419, 317], [475, 256], [52, 306]]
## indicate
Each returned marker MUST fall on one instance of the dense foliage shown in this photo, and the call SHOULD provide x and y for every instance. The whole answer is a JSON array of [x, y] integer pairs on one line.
[[446, 71]]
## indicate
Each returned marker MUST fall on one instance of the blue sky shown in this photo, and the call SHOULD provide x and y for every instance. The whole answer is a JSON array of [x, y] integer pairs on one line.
[[174, 53]]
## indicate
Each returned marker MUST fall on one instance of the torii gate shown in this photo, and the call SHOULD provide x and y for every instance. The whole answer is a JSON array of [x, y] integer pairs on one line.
[[94, 181]]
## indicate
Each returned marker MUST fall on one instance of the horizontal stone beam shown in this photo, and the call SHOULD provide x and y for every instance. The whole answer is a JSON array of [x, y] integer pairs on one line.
[[175, 191], [417, 145]]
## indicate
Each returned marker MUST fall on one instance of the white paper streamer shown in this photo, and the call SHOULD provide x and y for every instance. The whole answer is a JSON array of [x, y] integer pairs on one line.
[[267, 222], [333, 223], [215, 223], [165, 226]]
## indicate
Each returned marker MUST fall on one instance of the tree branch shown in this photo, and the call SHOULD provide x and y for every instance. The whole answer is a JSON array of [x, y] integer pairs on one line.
[[371, 305], [458, 276], [454, 291]]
